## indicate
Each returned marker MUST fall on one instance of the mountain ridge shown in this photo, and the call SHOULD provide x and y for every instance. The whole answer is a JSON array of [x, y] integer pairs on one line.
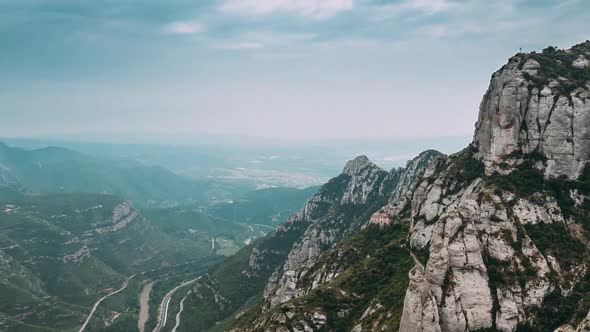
[[54, 169], [496, 235]]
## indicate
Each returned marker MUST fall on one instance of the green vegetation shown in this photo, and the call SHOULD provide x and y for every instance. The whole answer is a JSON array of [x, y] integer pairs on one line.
[[553, 239], [124, 323], [61, 170], [270, 206], [555, 64], [465, 167], [562, 188], [375, 270], [237, 288], [240, 284], [58, 265], [524, 181], [558, 309], [39, 232]]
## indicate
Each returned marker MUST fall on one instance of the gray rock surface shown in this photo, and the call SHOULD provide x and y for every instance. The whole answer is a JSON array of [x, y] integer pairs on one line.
[[367, 182], [477, 266], [470, 228], [584, 326], [581, 62], [518, 115]]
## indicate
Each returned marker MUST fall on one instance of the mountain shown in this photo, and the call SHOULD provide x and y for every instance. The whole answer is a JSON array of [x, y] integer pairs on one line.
[[234, 223], [55, 169], [262, 272], [492, 238], [269, 206], [59, 253]]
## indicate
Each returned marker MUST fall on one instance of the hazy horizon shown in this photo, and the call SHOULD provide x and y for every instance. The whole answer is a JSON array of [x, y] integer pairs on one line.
[[288, 71]]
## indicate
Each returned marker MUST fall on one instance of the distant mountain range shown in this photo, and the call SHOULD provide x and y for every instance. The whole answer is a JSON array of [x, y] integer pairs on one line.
[[495, 237], [492, 238], [54, 170]]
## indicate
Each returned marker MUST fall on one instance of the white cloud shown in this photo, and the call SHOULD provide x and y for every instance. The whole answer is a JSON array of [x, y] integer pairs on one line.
[[309, 8], [241, 46], [250, 40], [493, 25], [184, 28], [407, 8], [277, 38], [430, 6]]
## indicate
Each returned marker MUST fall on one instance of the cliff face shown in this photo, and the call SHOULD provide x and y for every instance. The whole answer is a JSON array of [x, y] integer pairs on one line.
[[369, 189], [496, 236], [268, 265], [323, 254], [504, 248], [538, 102]]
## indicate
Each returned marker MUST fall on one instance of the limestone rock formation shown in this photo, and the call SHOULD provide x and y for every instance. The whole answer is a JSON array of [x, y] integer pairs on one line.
[[498, 234], [537, 103], [583, 326], [488, 262], [361, 182]]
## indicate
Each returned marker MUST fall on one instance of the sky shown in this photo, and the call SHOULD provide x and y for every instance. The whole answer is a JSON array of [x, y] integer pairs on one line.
[[277, 70]]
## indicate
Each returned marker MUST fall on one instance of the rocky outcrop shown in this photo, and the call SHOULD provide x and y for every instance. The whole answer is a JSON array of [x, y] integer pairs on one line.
[[583, 326], [483, 270], [367, 184], [487, 263], [409, 178], [360, 184], [537, 103], [366, 179], [78, 256], [493, 232], [123, 214], [581, 62]]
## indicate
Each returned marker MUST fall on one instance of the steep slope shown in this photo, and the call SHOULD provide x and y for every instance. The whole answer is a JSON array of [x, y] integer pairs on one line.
[[59, 253], [233, 223], [509, 249], [498, 232], [538, 103], [359, 279], [261, 274], [322, 235], [269, 206], [363, 273]]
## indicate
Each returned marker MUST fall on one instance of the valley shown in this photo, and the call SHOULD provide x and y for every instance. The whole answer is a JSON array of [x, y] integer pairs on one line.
[[295, 166], [144, 298], [491, 238], [94, 254]]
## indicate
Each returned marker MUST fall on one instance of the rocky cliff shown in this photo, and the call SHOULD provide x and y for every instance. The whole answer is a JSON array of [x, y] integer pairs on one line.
[[366, 181], [274, 267], [538, 103], [497, 234], [507, 249], [246, 275]]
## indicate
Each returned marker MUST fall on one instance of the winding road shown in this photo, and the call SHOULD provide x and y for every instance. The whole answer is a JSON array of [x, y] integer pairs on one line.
[[180, 312], [163, 309], [125, 286], [102, 299]]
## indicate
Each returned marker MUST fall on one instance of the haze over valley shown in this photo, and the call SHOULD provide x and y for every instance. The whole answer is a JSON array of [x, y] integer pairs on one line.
[[295, 166]]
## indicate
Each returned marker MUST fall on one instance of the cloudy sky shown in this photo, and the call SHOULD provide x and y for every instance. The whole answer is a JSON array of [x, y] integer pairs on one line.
[[291, 70]]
